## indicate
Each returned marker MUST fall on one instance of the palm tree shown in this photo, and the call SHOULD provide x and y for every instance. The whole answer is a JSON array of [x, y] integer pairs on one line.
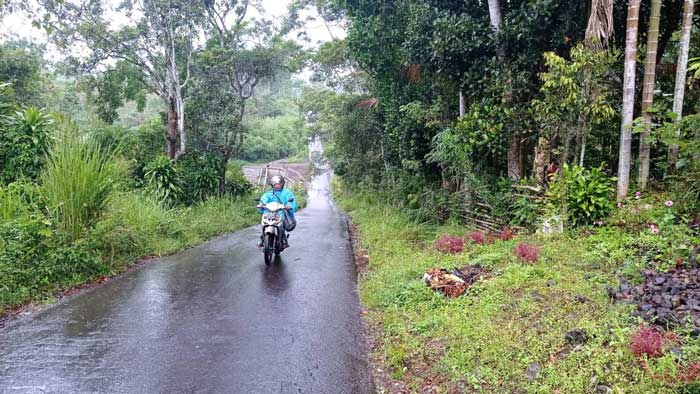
[[648, 90], [599, 30], [600, 24], [623, 169]]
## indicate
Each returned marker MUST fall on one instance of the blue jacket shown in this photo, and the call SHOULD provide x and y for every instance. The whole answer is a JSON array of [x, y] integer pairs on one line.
[[284, 196]]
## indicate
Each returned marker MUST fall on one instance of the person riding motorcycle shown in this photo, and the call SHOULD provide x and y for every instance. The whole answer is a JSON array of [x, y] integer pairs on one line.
[[283, 196]]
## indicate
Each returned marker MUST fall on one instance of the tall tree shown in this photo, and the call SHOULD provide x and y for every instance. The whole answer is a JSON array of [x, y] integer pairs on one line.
[[625, 156], [599, 30], [238, 56], [513, 152], [159, 44], [600, 24], [648, 91], [681, 71]]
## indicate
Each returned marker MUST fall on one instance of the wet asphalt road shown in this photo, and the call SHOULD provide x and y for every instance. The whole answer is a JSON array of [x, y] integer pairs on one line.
[[213, 319]]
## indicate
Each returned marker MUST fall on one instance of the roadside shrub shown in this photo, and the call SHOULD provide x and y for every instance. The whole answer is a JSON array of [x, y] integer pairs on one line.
[[647, 341], [477, 237], [19, 200], [77, 183], [22, 250], [528, 253], [506, 234], [236, 182], [163, 180], [586, 193], [449, 244], [24, 144]]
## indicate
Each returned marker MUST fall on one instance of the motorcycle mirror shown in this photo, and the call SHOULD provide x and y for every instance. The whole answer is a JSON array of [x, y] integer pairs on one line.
[[257, 199], [290, 199]]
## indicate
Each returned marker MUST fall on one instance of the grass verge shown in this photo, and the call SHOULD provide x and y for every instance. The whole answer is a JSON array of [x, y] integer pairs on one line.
[[543, 327]]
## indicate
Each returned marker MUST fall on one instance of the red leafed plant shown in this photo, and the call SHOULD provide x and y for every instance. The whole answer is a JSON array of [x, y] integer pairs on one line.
[[449, 244], [647, 341], [691, 373], [507, 234], [477, 237], [529, 253]]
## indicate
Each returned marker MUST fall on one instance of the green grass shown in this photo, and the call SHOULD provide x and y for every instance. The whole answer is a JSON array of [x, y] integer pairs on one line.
[[486, 340]]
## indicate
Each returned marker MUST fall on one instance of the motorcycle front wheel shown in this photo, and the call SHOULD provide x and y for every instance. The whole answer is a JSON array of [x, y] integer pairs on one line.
[[269, 248]]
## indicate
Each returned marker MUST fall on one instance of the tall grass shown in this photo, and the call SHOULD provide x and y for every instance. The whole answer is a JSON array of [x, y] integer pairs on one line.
[[77, 182]]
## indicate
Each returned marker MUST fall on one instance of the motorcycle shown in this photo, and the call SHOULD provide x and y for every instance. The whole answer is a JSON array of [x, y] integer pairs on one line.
[[272, 222]]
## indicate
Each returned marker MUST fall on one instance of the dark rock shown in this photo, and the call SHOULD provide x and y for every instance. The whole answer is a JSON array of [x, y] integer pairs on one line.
[[647, 307], [659, 280], [588, 276], [582, 299], [676, 301], [695, 333], [533, 370], [625, 287], [552, 282], [603, 389], [576, 337], [678, 352], [536, 296]]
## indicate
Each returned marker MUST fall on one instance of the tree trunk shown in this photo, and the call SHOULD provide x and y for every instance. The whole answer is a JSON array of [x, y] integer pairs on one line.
[[523, 156], [513, 139], [648, 91], [171, 129], [222, 172], [462, 105], [681, 71], [564, 159], [180, 107], [495, 14], [625, 157], [514, 156], [541, 160], [583, 148]]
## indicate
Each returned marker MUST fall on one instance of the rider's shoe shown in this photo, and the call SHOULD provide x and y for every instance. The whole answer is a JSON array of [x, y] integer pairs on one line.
[[260, 244]]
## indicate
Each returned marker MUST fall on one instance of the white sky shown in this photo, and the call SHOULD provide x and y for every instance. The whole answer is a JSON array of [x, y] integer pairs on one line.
[[19, 26]]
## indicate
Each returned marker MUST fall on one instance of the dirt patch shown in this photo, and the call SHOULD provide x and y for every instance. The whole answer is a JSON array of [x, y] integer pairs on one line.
[[360, 254], [665, 298], [456, 282]]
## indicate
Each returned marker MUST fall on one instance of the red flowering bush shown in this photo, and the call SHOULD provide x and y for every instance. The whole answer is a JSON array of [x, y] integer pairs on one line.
[[529, 253], [477, 237], [507, 234], [691, 373], [647, 341], [450, 244]]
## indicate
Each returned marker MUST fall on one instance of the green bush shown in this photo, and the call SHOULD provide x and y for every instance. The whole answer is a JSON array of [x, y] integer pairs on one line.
[[23, 144], [584, 193], [19, 200], [77, 183], [164, 181], [236, 182], [200, 176], [22, 249], [34, 261]]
